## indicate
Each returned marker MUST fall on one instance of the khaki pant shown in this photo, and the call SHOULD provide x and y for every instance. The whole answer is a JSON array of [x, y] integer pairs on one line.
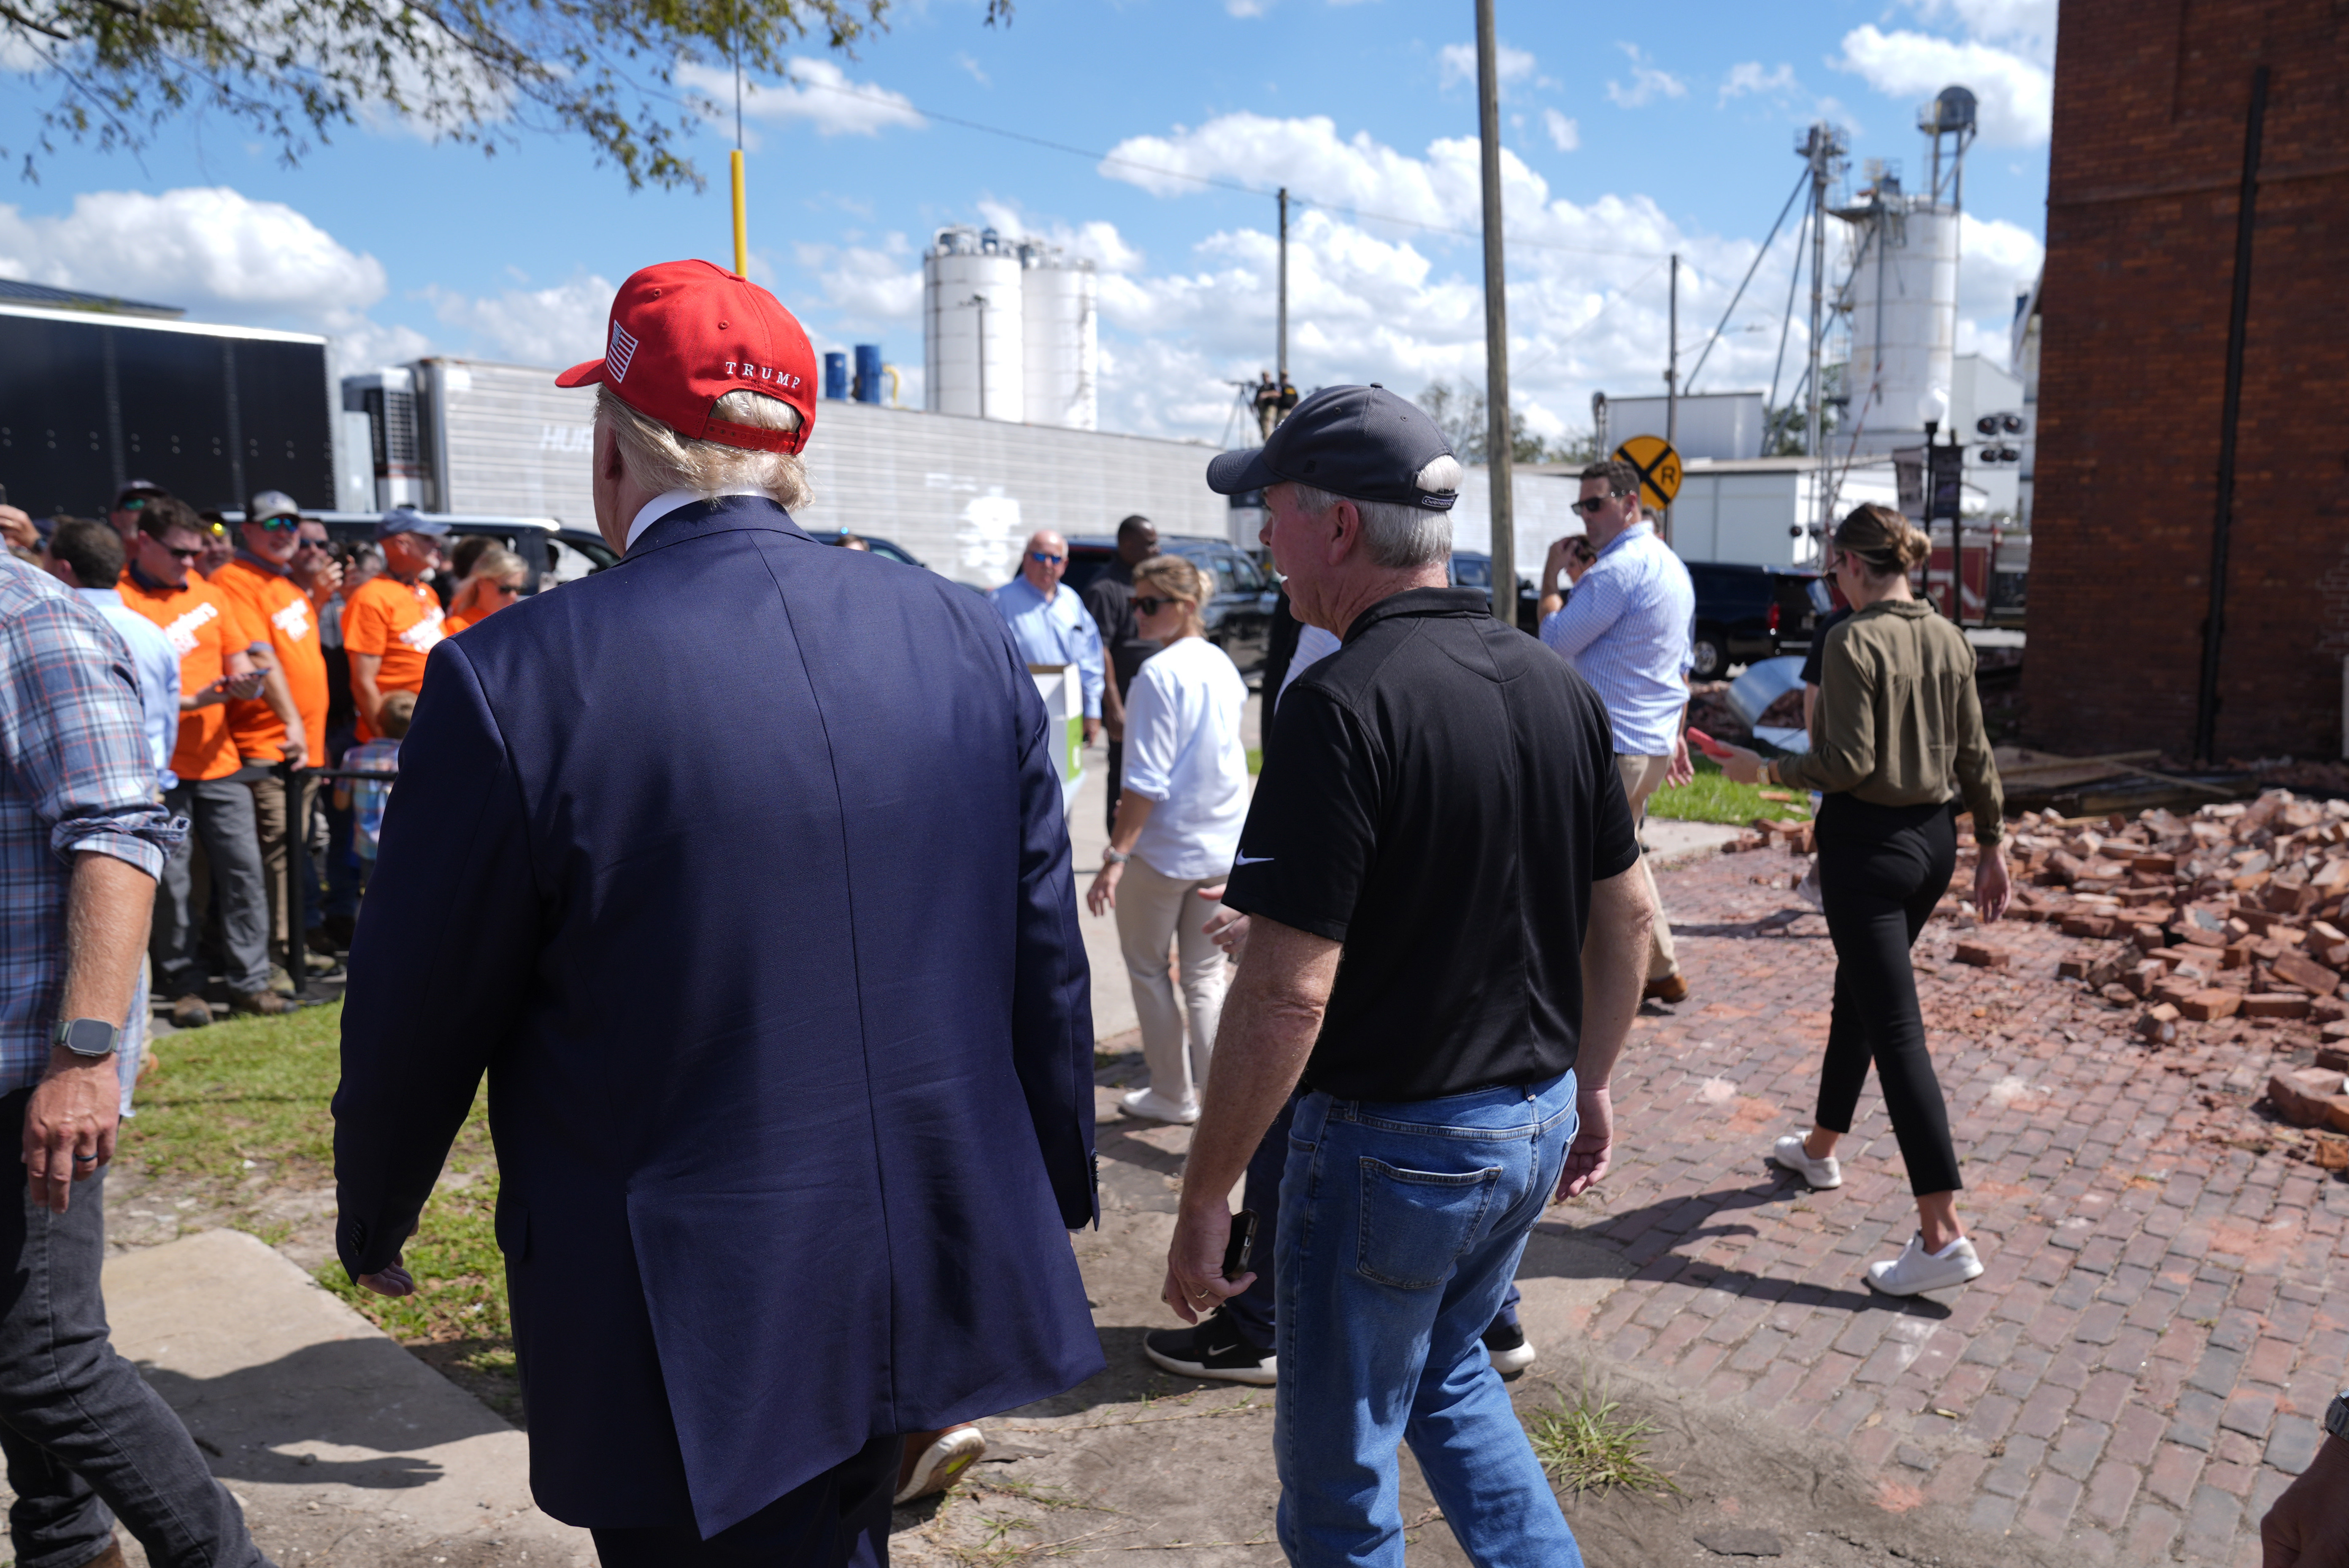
[[1642, 776], [1154, 912], [269, 822]]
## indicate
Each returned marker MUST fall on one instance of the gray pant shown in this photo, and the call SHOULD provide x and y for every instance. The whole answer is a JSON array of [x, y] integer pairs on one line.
[[220, 812], [85, 1438]]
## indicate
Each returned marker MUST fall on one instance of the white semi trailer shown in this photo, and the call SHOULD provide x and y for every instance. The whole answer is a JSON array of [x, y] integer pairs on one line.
[[960, 493]]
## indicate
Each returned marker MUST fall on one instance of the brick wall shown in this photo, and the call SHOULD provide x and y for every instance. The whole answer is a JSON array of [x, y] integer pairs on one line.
[[2151, 102]]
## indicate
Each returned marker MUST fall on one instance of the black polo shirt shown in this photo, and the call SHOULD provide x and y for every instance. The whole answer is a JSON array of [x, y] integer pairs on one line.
[[1440, 796]]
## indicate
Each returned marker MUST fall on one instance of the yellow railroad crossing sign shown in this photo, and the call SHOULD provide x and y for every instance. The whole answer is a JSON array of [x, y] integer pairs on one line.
[[1659, 466]]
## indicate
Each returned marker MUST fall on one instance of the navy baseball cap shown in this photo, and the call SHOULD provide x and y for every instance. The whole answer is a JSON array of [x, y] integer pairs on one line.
[[270, 503], [138, 487], [405, 521], [1364, 443]]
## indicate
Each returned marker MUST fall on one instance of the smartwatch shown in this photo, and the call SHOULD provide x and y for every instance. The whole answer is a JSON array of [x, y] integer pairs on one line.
[[90, 1037], [2336, 1416]]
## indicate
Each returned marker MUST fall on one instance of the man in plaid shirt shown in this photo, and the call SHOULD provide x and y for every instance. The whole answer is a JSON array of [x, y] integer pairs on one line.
[[82, 841]]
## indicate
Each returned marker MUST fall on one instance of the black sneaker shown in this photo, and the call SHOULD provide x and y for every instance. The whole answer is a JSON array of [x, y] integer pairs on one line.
[[1505, 1344], [1214, 1348]]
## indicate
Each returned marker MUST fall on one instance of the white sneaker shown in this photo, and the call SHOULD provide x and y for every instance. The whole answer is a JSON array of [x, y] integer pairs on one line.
[[1917, 1270], [1789, 1152], [1151, 1105]]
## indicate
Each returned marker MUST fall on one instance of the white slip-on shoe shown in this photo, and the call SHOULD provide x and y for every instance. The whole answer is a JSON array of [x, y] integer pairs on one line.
[[1151, 1105], [1788, 1151], [932, 1462], [1917, 1270]]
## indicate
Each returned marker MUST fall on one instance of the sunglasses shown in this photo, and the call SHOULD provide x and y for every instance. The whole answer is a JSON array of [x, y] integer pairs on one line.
[[135, 504], [1151, 604], [510, 590], [1592, 506], [195, 555], [1041, 558], [276, 525]]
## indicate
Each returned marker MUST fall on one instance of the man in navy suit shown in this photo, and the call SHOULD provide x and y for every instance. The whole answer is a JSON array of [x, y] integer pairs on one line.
[[740, 868]]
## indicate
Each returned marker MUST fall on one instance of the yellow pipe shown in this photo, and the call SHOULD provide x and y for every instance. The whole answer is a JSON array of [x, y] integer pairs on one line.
[[891, 372], [741, 223]]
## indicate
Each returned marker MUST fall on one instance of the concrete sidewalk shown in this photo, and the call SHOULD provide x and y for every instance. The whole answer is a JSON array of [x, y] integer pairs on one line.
[[343, 1448]]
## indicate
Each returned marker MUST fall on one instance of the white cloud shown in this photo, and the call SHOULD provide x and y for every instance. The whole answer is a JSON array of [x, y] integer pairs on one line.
[[871, 285], [1647, 82], [1456, 64], [976, 75], [1749, 77], [1246, 7], [2017, 94], [817, 93], [557, 325], [2027, 26], [1097, 240], [1564, 134]]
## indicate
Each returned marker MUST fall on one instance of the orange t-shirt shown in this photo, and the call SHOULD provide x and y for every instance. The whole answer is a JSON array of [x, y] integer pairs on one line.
[[458, 620], [281, 611], [399, 623], [204, 627]]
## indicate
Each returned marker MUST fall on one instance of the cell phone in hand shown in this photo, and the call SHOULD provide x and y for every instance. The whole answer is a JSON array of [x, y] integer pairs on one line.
[[1242, 1246]]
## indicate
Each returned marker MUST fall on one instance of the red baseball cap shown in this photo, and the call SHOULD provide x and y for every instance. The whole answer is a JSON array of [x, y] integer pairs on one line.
[[684, 334]]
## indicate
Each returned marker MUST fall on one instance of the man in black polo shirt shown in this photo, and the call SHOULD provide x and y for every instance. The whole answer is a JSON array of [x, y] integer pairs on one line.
[[1109, 596], [1447, 940]]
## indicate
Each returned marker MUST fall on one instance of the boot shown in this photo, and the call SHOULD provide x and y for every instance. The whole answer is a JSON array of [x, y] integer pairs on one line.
[[190, 1011], [260, 1004]]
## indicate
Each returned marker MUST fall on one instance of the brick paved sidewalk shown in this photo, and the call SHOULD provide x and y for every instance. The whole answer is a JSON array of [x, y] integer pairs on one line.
[[2143, 1367]]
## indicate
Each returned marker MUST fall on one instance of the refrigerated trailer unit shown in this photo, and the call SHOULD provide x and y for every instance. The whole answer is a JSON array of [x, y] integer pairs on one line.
[[963, 493], [90, 399]]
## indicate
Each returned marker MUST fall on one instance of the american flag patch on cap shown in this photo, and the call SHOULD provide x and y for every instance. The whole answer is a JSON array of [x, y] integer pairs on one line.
[[623, 350]]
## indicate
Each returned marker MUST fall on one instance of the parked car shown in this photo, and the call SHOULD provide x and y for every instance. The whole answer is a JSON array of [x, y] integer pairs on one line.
[[1473, 569], [1239, 613], [1745, 613]]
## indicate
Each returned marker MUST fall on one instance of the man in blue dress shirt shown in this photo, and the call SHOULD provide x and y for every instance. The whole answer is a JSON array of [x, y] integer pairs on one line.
[[1049, 626]]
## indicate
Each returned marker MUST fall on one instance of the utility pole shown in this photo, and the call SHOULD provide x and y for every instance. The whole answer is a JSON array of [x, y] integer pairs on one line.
[[1821, 148], [1672, 382], [1498, 452], [1281, 374]]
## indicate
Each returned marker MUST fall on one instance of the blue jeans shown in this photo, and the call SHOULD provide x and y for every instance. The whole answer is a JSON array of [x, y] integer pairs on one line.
[[1400, 1227]]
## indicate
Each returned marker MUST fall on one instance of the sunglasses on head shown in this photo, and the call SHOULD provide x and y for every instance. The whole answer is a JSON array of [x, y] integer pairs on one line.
[[1044, 559], [1589, 505]]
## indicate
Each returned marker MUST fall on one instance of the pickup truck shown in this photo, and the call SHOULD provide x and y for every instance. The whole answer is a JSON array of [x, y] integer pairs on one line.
[[1745, 613]]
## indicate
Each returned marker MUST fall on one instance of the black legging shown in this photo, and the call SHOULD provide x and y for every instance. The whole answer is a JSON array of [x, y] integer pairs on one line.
[[1881, 870]]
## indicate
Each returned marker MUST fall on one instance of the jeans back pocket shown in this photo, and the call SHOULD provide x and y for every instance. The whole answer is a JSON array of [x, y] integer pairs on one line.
[[1415, 1224]]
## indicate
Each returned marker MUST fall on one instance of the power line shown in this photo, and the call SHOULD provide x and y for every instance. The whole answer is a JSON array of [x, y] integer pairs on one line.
[[897, 103]]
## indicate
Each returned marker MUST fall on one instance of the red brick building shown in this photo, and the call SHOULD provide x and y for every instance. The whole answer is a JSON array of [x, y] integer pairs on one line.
[[2154, 101]]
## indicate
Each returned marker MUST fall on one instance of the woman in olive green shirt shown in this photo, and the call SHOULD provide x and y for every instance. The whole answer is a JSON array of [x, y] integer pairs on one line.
[[1896, 742]]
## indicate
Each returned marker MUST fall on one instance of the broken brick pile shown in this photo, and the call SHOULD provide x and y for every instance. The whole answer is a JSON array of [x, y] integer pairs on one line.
[[2234, 911]]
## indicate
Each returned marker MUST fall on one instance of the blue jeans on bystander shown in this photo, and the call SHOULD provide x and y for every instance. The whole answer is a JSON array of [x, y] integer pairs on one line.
[[1400, 1227]]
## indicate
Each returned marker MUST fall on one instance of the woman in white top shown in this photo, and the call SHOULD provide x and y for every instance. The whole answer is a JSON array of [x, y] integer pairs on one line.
[[1178, 826]]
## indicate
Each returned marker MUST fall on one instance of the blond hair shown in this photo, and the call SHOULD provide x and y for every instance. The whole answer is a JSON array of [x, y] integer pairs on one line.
[[660, 459], [1178, 578], [497, 563]]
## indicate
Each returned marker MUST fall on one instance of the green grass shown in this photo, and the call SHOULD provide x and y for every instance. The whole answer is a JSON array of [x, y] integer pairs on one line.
[[1588, 1444], [1711, 796], [242, 1107], [1256, 760]]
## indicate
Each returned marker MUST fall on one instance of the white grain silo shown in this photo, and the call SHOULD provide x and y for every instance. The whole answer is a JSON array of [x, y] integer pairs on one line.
[[1061, 340], [1904, 298], [972, 311]]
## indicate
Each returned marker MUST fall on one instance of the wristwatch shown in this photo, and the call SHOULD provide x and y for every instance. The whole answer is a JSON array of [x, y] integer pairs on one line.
[[1115, 856], [90, 1037], [2337, 1415]]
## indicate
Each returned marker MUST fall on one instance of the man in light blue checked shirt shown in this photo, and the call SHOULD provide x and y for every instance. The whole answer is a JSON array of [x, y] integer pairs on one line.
[[1626, 630], [82, 842], [1049, 626]]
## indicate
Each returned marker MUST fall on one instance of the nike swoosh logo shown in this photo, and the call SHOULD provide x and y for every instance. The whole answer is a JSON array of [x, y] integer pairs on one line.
[[1251, 859]]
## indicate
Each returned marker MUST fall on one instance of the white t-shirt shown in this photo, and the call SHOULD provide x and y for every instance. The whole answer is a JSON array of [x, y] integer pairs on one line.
[[1313, 646], [1183, 751]]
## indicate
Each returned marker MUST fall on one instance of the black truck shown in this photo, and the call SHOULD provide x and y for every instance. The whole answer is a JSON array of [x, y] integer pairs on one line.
[[1745, 613]]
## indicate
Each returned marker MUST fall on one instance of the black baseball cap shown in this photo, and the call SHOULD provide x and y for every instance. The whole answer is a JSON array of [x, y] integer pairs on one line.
[[1364, 443], [270, 503], [135, 488]]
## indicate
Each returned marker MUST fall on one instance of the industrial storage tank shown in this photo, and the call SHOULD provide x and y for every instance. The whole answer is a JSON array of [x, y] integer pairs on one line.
[[1061, 339], [972, 314], [1904, 298]]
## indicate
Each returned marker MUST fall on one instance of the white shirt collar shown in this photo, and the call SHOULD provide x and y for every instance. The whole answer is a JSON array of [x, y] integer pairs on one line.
[[111, 596], [666, 502]]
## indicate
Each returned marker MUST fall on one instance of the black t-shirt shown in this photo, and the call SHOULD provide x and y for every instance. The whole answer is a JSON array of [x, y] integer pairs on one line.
[[1441, 796], [1109, 597], [1826, 623]]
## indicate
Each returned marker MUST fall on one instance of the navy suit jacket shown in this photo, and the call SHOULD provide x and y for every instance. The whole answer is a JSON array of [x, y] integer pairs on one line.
[[740, 870]]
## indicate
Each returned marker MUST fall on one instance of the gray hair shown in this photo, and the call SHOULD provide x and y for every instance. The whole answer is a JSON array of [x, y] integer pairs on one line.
[[1400, 535], [661, 459]]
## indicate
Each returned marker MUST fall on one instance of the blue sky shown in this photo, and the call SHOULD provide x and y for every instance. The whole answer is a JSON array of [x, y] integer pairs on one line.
[[1633, 131]]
